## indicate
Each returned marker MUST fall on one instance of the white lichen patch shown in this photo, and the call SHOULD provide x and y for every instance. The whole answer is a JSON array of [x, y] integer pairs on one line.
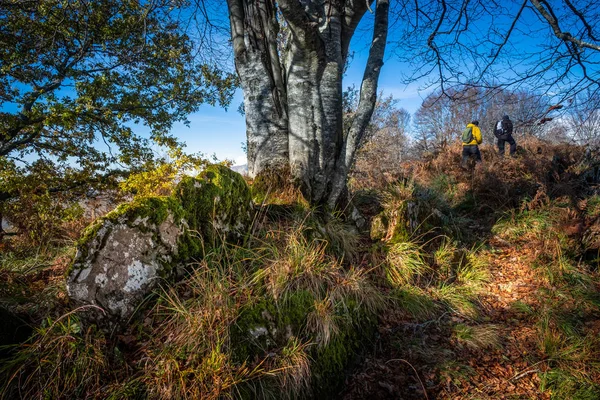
[[77, 291], [138, 276], [258, 332], [101, 280], [122, 263]]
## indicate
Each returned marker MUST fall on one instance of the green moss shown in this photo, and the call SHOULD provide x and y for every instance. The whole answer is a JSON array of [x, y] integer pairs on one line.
[[154, 210], [379, 227], [332, 361], [217, 198], [278, 320]]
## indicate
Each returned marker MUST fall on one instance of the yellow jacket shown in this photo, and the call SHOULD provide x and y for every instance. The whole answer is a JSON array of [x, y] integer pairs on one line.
[[476, 135]]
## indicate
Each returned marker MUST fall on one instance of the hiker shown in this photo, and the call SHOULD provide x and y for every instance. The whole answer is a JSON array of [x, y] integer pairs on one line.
[[471, 139], [503, 132]]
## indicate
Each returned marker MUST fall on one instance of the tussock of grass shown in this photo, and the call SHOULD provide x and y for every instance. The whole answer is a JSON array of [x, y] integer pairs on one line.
[[323, 321], [63, 360], [294, 372], [445, 257], [522, 308], [454, 279], [190, 351], [299, 265], [405, 263], [523, 226], [569, 385], [342, 238], [460, 299], [478, 336], [474, 272]]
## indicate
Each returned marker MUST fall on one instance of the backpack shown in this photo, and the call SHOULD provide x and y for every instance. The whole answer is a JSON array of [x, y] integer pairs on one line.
[[498, 131], [467, 135]]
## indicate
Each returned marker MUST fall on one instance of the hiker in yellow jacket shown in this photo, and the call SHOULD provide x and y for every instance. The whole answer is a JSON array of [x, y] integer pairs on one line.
[[471, 139]]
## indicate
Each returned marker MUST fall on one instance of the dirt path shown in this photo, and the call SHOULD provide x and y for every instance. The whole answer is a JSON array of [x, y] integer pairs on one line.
[[497, 359]]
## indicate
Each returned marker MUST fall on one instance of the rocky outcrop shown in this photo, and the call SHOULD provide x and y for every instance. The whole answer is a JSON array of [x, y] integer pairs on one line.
[[124, 255], [217, 203]]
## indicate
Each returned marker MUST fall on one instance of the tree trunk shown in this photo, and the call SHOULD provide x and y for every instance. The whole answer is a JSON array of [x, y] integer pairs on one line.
[[293, 97], [314, 68], [254, 35]]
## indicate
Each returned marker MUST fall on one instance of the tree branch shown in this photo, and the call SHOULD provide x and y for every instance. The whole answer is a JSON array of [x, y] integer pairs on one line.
[[368, 97], [236, 20], [546, 12]]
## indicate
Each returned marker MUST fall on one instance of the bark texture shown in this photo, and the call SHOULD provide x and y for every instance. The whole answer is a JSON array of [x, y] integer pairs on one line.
[[292, 82]]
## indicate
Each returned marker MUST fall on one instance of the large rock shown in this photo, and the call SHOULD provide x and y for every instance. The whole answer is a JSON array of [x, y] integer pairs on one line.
[[410, 211], [124, 255], [217, 203]]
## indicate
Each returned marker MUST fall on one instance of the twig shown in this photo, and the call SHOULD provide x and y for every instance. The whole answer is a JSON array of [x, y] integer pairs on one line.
[[416, 373], [527, 371]]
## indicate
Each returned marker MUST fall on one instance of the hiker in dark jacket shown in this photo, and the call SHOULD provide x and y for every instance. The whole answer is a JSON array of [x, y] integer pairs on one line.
[[503, 131], [471, 140]]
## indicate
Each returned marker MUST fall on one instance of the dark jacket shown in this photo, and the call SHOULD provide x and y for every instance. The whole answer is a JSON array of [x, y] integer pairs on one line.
[[503, 129]]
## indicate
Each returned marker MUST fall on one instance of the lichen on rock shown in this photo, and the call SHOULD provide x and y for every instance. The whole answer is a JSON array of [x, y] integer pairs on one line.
[[123, 256]]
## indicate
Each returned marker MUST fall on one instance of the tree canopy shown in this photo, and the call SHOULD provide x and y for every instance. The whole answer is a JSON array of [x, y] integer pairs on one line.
[[80, 77]]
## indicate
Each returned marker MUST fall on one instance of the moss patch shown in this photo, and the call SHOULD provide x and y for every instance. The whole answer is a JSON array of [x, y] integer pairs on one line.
[[217, 200], [266, 326]]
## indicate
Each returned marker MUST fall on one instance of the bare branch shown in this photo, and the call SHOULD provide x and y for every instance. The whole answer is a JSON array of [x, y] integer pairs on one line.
[[547, 13]]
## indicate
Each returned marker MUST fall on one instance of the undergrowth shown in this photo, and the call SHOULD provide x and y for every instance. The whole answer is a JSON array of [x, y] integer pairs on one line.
[[306, 298]]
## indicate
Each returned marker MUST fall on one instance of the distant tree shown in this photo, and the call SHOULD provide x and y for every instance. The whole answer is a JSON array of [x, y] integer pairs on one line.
[[551, 48], [582, 122], [442, 115], [386, 142]]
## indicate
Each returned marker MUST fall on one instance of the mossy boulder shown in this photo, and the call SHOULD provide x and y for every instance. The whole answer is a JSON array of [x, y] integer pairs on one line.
[[217, 202], [124, 255], [267, 326], [422, 213]]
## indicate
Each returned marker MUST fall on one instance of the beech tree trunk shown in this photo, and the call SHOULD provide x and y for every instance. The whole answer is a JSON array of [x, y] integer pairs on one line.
[[292, 86]]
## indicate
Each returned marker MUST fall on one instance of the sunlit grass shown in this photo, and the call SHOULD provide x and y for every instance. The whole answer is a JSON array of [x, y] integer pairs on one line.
[[523, 225], [477, 336]]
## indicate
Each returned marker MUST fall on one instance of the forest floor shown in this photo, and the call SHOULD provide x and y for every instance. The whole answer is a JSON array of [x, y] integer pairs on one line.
[[429, 360], [535, 332], [483, 286]]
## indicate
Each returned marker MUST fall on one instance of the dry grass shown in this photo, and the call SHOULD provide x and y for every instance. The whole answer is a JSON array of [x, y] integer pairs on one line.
[[186, 347], [477, 337], [63, 359]]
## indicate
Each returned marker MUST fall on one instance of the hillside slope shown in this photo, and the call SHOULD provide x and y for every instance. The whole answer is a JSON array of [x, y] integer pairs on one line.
[[470, 284], [532, 327]]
